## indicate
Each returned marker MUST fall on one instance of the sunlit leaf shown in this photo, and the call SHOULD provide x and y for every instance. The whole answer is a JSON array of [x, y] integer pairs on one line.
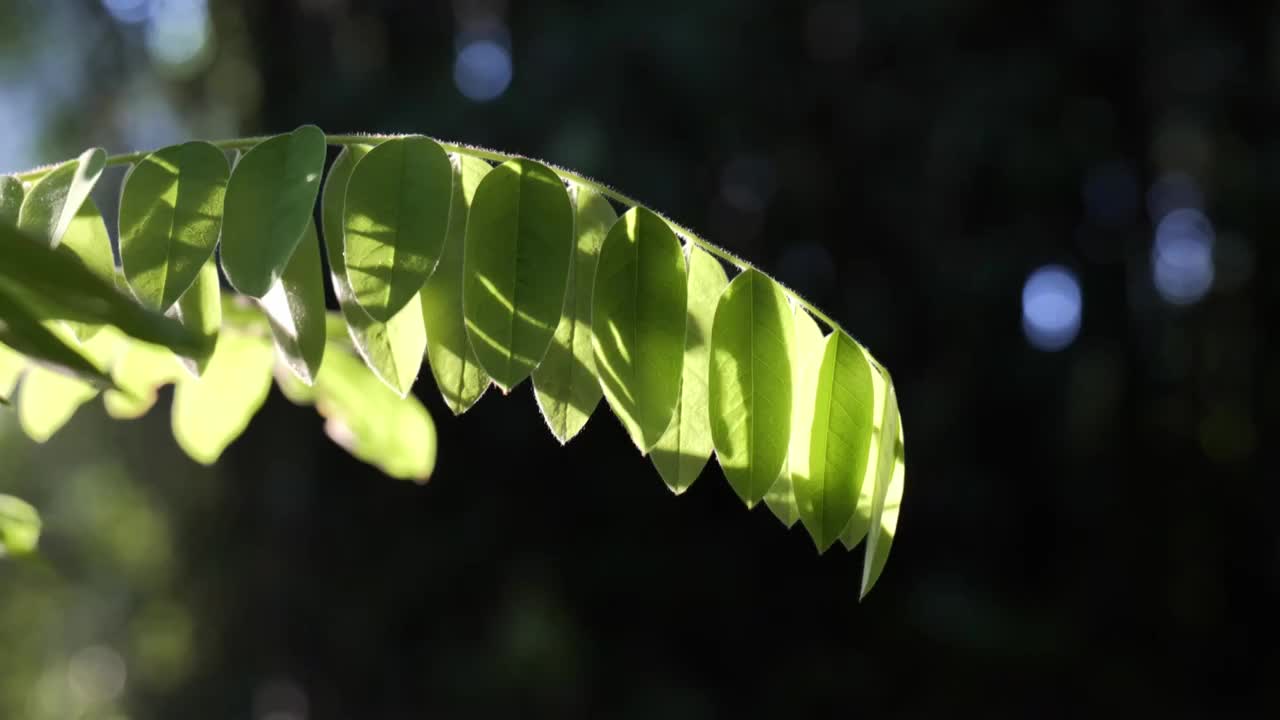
[[889, 480], [856, 530], [268, 206], [453, 363], [199, 309], [211, 411], [373, 423], [519, 243], [827, 490], [11, 194], [53, 201], [50, 346], [86, 238], [395, 217], [19, 526], [139, 369], [565, 383], [170, 219], [805, 361], [47, 399], [295, 308], [749, 390], [685, 447], [393, 350]]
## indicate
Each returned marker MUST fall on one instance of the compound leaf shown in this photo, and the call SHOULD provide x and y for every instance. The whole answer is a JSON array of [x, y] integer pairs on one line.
[[395, 217], [170, 219], [750, 393], [565, 383], [519, 243]]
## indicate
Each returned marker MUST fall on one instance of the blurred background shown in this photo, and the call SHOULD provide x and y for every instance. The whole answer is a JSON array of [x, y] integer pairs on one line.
[[1053, 222]]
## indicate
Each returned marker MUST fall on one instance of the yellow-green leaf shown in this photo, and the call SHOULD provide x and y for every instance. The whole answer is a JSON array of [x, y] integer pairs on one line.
[[453, 363], [199, 309], [211, 411], [805, 361], [684, 449], [53, 201], [889, 480], [395, 217], [565, 383], [48, 399], [139, 370], [519, 243], [19, 526], [749, 392]]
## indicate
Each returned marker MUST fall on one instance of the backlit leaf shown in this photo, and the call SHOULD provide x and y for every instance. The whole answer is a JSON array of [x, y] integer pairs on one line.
[[86, 238], [827, 490], [519, 243], [750, 393], [11, 366], [53, 201], [805, 361], [856, 530], [11, 194], [685, 447], [565, 383], [19, 526], [295, 308], [170, 219], [48, 399], [889, 480], [638, 323], [394, 349], [211, 411], [139, 369], [199, 309], [268, 206], [453, 363], [395, 217], [51, 346]]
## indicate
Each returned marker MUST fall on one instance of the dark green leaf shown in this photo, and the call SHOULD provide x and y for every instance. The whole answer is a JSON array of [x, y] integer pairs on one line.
[[295, 309], [170, 219], [565, 383], [519, 244], [749, 393], [269, 202], [395, 217]]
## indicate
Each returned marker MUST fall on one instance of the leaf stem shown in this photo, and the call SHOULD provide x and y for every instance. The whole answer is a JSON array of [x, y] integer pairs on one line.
[[498, 156]]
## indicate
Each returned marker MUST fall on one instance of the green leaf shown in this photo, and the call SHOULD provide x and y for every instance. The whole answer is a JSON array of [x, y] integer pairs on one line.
[[889, 479], [805, 361], [827, 487], [86, 238], [453, 362], [858, 525], [170, 219], [140, 369], [49, 345], [394, 349], [638, 321], [213, 410], [685, 447], [395, 218], [11, 366], [750, 394], [268, 206], [373, 423], [19, 526], [565, 383], [47, 399], [53, 201], [59, 286], [11, 194], [519, 243], [199, 309], [295, 309]]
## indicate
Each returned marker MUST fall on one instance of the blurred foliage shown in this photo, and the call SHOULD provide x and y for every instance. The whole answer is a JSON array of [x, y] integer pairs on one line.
[[1086, 528]]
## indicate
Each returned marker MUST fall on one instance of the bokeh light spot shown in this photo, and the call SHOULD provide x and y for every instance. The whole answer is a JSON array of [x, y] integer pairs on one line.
[[482, 70], [128, 11], [1182, 256], [1051, 308]]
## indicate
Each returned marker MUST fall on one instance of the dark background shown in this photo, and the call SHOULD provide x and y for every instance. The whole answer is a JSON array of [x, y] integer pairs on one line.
[[1083, 529]]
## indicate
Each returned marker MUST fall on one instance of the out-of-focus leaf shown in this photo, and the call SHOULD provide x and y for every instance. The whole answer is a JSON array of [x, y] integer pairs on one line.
[[53, 201], [211, 411], [199, 309], [685, 447], [827, 489], [140, 369], [295, 308], [805, 361], [47, 399], [11, 366], [395, 217], [371, 422], [57, 286], [565, 382], [86, 238], [457, 372], [50, 346], [638, 323], [890, 478], [394, 349], [170, 219], [516, 267], [19, 526], [268, 206], [749, 389]]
